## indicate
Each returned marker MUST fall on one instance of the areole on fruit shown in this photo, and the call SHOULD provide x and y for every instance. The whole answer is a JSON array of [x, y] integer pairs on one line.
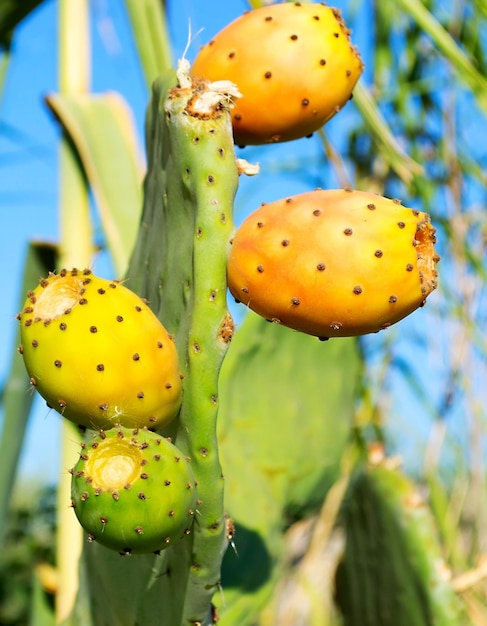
[[133, 491], [293, 63], [334, 263], [97, 353]]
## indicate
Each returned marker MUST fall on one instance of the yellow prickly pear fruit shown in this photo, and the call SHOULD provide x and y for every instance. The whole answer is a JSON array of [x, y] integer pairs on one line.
[[294, 65], [97, 353], [334, 263]]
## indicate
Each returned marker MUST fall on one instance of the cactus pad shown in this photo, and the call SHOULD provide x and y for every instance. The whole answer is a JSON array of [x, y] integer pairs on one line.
[[97, 353], [301, 73], [334, 263], [133, 491], [393, 570]]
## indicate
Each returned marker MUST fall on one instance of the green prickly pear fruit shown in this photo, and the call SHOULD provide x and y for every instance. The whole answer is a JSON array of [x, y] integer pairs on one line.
[[133, 491], [301, 73], [334, 263], [97, 353]]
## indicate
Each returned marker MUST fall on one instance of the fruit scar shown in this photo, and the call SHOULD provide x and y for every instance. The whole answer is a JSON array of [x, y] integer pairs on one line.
[[334, 263], [294, 65], [97, 353]]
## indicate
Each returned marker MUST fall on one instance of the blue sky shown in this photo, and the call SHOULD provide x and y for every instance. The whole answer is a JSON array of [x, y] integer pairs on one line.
[[29, 151]]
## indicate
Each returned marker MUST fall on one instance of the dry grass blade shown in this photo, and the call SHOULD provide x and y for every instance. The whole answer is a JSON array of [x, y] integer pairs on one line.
[[102, 130], [304, 596], [16, 395], [404, 166], [150, 32], [447, 45]]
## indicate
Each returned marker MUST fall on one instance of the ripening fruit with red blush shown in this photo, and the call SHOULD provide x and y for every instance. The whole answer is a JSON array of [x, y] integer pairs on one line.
[[334, 263], [294, 65]]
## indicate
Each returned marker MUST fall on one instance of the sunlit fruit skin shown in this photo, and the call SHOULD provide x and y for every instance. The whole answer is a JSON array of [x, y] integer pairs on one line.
[[97, 353], [334, 263], [133, 491], [294, 65]]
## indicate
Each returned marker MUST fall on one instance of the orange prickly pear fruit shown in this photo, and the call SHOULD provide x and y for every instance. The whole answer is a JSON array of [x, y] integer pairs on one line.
[[97, 353], [334, 263], [294, 65]]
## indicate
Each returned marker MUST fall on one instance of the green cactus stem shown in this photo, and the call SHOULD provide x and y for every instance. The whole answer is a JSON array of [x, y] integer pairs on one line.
[[202, 138], [179, 266]]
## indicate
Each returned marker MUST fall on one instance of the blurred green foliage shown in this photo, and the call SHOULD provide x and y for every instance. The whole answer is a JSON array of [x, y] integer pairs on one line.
[[30, 539]]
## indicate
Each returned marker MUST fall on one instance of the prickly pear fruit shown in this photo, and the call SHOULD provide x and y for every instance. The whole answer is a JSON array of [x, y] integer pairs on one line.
[[293, 64], [133, 491], [97, 353], [334, 263]]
